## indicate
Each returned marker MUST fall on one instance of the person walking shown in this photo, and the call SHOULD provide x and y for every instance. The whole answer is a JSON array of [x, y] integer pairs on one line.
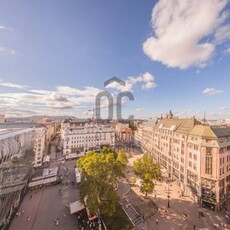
[[194, 226], [157, 222]]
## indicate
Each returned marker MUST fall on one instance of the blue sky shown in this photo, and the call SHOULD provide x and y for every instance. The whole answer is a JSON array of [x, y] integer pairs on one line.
[[56, 55]]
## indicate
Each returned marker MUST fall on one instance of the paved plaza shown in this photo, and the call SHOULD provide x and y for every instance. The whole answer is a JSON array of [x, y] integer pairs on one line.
[[44, 205], [182, 213]]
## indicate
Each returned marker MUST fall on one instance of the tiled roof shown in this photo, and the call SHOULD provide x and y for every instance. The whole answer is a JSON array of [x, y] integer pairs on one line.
[[221, 131], [178, 125], [203, 131]]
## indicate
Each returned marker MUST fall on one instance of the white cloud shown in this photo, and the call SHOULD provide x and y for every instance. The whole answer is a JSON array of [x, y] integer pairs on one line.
[[223, 108], [47, 101], [140, 109], [5, 28], [4, 50], [212, 91], [146, 81], [227, 51], [181, 28], [12, 85], [58, 100], [222, 34]]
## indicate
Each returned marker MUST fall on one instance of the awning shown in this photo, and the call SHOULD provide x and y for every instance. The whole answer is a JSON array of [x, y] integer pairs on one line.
[[46, 159], [76, 207]]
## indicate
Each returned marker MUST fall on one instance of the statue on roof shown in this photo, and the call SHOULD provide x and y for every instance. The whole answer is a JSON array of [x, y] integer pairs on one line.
[[170, 114]]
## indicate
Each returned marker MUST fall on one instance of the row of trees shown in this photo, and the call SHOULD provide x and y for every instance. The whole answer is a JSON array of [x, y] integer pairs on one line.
[[101, 173]]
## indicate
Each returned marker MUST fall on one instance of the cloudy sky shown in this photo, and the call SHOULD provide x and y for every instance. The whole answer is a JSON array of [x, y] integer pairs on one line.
[[55, 56]]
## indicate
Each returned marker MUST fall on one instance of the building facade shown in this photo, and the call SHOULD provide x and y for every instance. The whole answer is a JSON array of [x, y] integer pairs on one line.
[[2, 118], [43, 136], [88, 137], [40, 145], [195, 154], [16, 165]]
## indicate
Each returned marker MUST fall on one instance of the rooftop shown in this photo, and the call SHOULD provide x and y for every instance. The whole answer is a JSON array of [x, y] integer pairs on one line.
[[7, 133]]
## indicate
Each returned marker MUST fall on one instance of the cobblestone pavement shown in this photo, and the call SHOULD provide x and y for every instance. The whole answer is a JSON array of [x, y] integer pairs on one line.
[[182, 213], [46, 204]]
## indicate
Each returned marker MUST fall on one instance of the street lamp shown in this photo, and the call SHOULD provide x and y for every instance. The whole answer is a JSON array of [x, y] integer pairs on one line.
[[168, 196]]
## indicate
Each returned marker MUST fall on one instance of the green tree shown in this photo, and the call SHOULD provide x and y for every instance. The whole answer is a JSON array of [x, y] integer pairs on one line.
[[100, 174], [131, 181], [122, 157], [147, 170], [132, 125]]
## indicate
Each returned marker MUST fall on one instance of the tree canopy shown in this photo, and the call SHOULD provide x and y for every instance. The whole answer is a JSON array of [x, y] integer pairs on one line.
[[147, 170], [100, 174]]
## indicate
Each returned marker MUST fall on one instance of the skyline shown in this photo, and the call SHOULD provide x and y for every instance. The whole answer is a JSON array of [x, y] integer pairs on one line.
[[55, 57]]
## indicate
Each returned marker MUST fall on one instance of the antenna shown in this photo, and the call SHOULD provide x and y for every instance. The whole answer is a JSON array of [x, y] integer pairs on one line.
[[94, 117], [204, 117]]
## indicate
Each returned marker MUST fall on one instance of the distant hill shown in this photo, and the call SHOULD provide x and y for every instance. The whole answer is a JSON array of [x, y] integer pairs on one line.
[[32, 118]]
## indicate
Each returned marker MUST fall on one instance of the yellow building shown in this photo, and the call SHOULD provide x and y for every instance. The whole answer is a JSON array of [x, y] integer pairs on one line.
[[195, 154]]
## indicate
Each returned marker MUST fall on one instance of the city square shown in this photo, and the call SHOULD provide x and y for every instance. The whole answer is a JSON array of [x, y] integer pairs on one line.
[[114, 115]]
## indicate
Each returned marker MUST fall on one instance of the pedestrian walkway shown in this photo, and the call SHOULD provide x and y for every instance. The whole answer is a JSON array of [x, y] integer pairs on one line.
[[130, 211]]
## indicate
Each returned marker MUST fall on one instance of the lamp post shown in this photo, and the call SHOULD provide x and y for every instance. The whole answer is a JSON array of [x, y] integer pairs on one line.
[[168, 196]]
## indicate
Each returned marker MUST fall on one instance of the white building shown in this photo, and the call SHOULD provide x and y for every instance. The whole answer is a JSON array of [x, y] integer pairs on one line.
[[2, 118], [39, 145], [86, 138]]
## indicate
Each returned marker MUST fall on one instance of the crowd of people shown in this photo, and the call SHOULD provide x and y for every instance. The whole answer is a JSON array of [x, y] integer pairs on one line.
[[91, 223]]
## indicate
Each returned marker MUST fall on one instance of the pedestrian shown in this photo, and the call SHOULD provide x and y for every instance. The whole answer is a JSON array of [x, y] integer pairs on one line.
[[157, 222], [28, 218], [194, 226], [31, 196]]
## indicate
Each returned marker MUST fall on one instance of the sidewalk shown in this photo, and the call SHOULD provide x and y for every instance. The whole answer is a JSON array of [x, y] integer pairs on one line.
[[42, 209], [182, 213], [130, 211]]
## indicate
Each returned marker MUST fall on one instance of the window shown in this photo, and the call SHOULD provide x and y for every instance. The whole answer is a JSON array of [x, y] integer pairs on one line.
[[195, 157], [209, 150], [208, 164], [194, 166], [190, 155], [190, 164]]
